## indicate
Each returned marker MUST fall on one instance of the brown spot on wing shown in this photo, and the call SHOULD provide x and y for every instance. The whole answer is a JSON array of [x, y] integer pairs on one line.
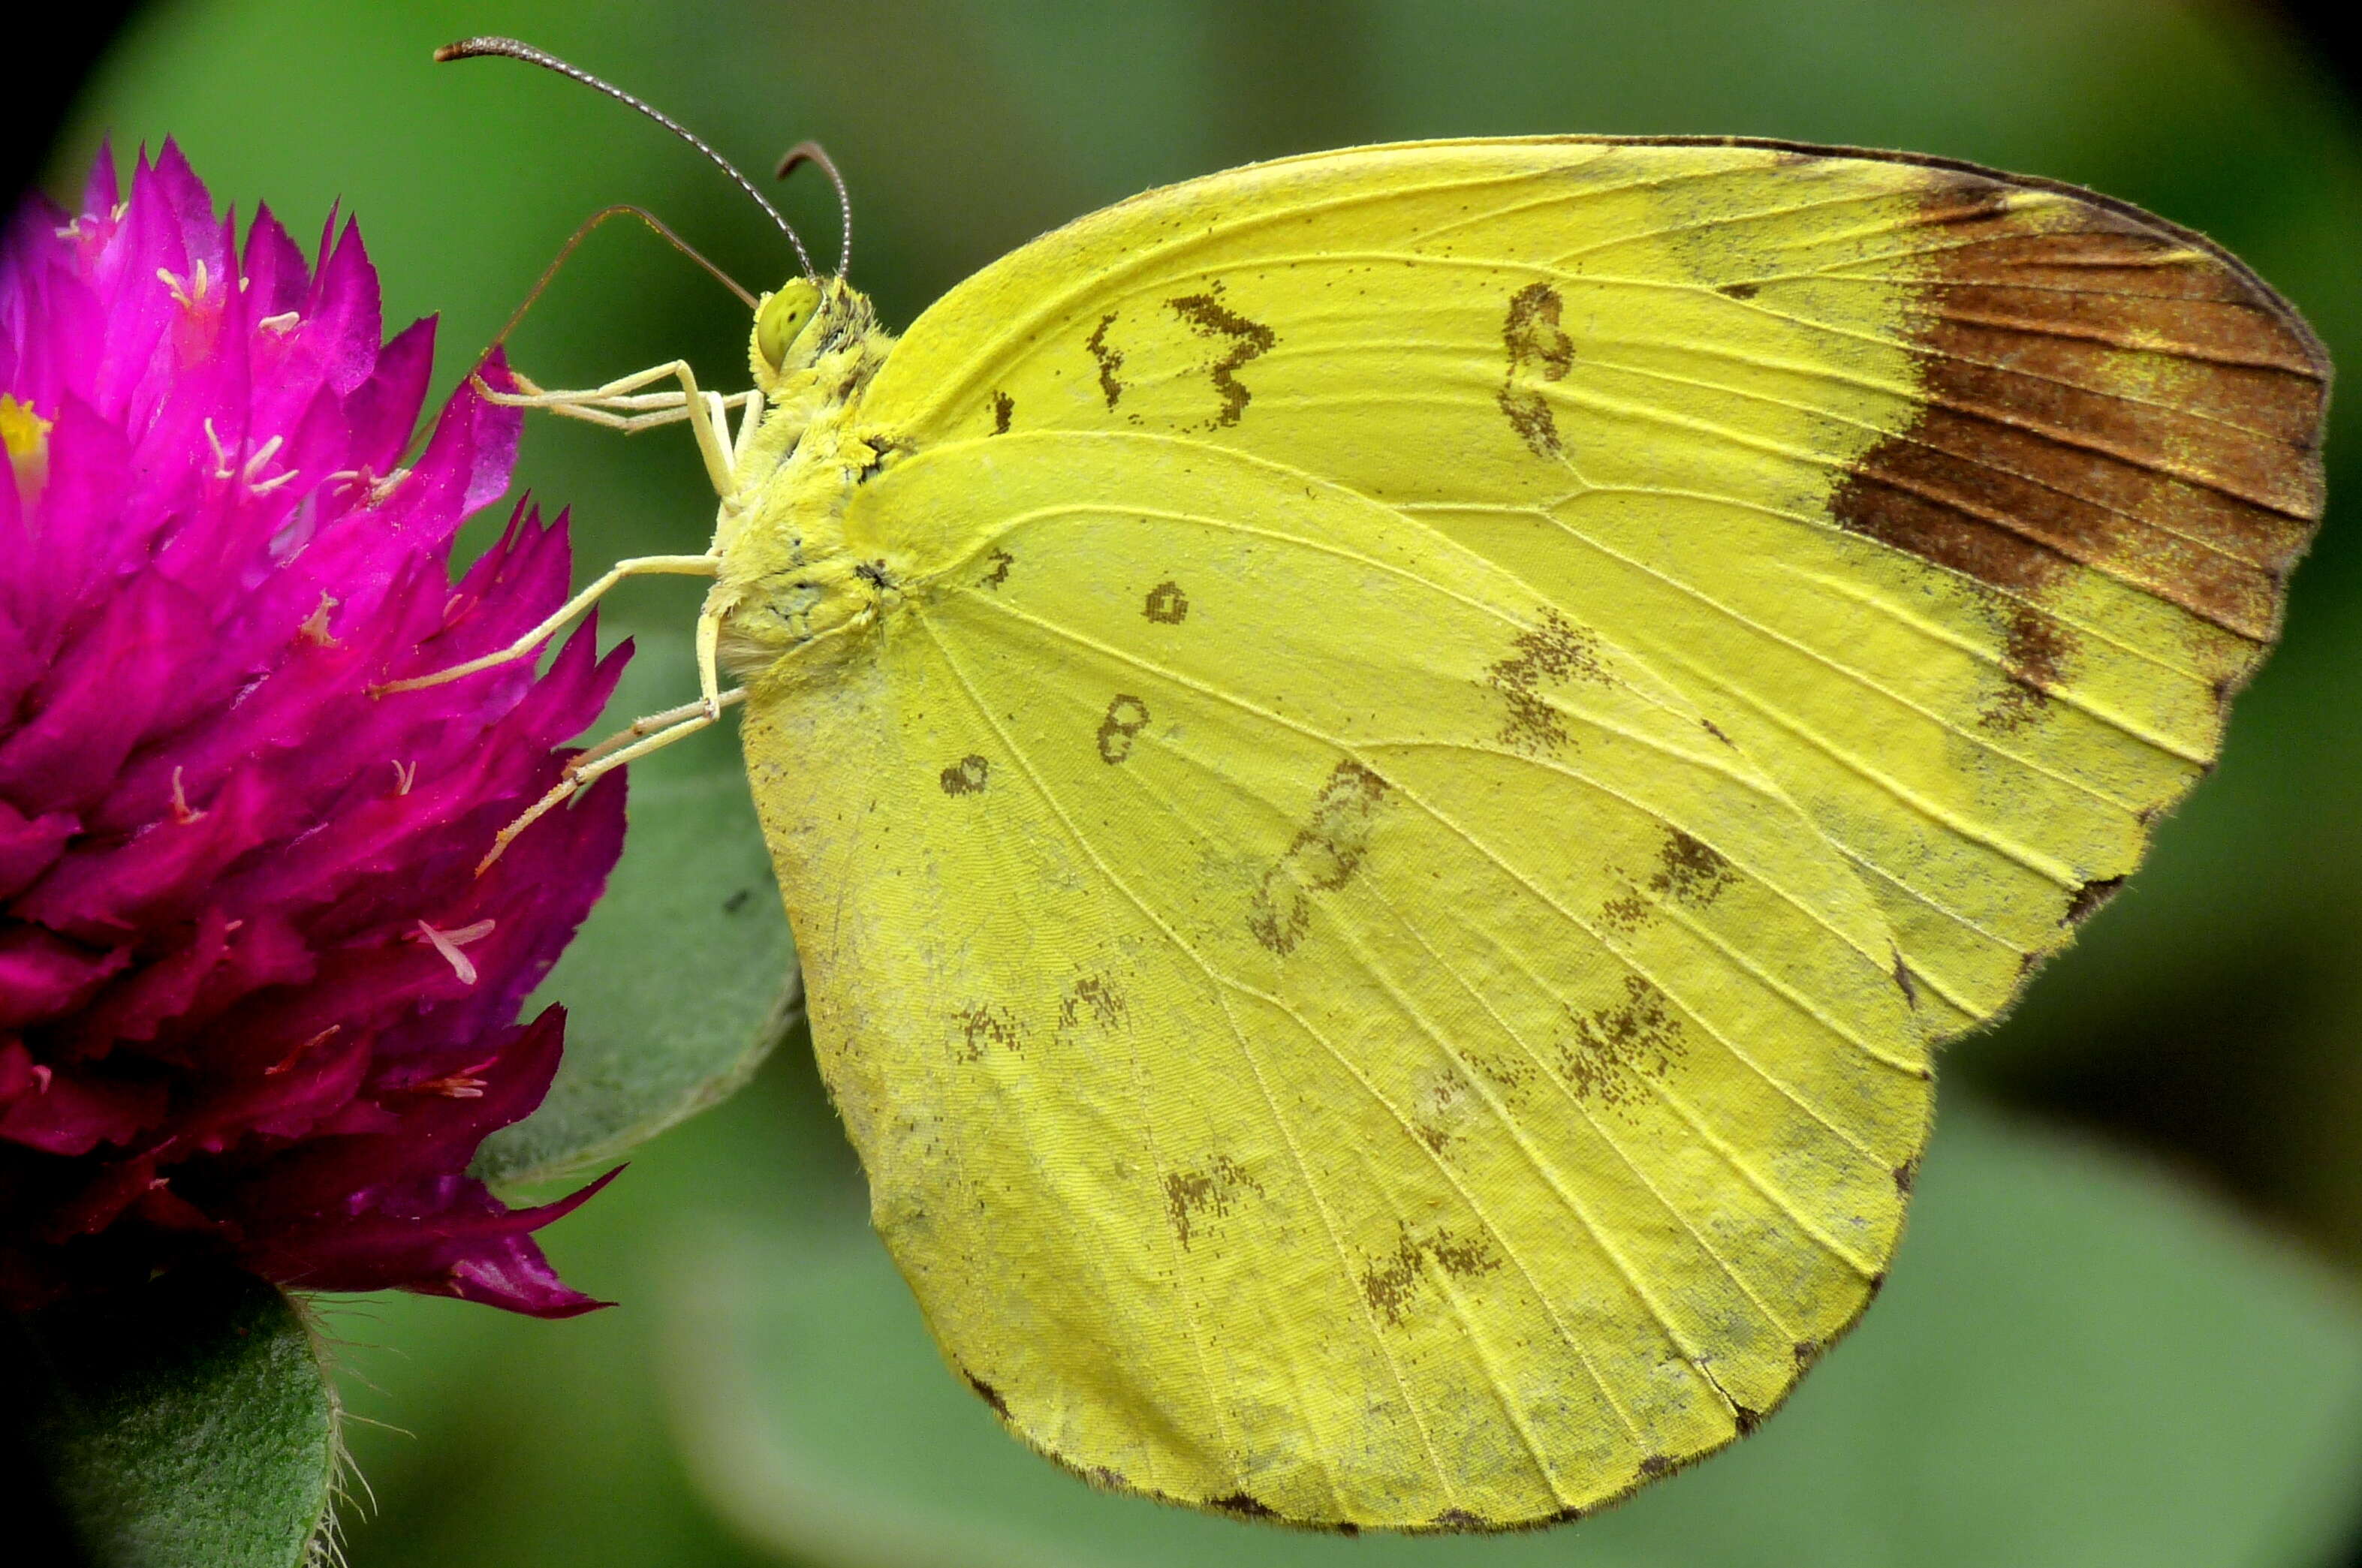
[[1096, 994], [2099, 392], [1167, 605], [1626, 914], [1209, 317], [1609, 1055], [1554, 652], [1001, 561], [1690, 871], [1109, 359], [1209, 1191], [1438, 1108], [967, 776], [1126, 717], [1003, 406], [1538, 350], [1390, 1285], [1322, 857], [983, 1025]]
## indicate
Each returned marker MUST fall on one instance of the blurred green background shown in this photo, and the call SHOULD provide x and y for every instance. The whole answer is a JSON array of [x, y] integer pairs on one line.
[[2124, 1328]]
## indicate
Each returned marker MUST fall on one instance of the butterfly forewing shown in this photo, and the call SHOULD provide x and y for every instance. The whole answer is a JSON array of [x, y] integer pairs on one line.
[[1962, 503]]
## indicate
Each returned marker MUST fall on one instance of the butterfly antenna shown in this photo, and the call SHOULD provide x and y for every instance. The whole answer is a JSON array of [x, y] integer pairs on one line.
[[621, 210], [511, 48], [812, 152]]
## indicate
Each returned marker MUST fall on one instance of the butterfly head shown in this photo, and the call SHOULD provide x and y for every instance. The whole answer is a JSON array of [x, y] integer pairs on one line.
[[800, 323], [781, 322]]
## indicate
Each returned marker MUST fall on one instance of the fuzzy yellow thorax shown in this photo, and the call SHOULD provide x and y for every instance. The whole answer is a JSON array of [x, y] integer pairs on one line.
[[786, 581]]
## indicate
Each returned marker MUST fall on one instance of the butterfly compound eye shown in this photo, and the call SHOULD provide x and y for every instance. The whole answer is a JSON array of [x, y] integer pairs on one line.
[[783, 320]]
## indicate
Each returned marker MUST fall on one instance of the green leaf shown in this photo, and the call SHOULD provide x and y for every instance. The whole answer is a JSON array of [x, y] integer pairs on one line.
[[684, 977], [191, 1426], [2074, 1362]]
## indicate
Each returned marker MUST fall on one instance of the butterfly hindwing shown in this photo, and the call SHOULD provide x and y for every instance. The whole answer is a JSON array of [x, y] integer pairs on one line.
[[1393, 1068]]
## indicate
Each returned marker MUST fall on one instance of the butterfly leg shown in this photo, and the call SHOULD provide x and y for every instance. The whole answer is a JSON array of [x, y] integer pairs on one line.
[[627, 745], [621, 404], [530, 644]]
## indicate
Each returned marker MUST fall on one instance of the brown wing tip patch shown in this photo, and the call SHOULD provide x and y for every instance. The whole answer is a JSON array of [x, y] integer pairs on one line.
[[2099, 391], [2038, 657]]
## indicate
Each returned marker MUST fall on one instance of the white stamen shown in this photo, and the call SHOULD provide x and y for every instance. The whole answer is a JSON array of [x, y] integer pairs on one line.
[[221, 458], [190, 290], [262, 456], [298, 1053], [273, 482], [182, 813], [448, 944], [314, 629], [407, 774], [284, 322], [385, 487]]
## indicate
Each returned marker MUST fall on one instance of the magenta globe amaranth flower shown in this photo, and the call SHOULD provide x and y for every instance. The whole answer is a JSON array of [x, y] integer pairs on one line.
[[256, 1001]]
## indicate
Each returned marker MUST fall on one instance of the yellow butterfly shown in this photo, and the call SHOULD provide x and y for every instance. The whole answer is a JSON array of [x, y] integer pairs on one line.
[[1385, 765]]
